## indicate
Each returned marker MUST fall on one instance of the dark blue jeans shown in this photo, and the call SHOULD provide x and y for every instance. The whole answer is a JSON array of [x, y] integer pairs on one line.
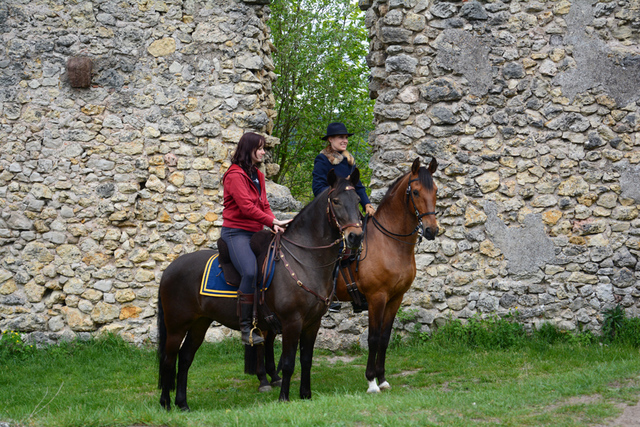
[[242, 256]]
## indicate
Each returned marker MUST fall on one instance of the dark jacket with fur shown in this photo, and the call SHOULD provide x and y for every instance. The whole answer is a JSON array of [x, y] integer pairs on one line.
[[343, 164]]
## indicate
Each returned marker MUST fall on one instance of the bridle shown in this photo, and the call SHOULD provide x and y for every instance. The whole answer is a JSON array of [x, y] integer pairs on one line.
[[419, 228], [331, 214], [333, 219]]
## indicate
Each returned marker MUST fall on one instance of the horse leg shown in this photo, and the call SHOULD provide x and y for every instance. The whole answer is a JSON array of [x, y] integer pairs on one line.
[[261, 372], [270, 365], [307, 340], [387, 325], [191, 344], [376, 312], [290, 336], [167, 359]]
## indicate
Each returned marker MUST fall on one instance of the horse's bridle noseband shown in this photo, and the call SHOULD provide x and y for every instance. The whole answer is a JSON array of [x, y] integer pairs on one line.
[[331, 213], [415, 208], [419, 216], [420, 225]]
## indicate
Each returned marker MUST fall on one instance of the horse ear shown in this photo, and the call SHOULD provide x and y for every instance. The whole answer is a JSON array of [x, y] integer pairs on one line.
[[355, 176], [415, 166], [332, 177], [433, 165]]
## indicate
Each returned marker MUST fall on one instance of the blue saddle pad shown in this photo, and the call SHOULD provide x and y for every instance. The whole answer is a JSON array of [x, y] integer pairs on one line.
[[214, 284]]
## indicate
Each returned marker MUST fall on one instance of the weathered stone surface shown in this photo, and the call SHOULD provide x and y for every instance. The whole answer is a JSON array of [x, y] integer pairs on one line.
[[162, 47], [528, 248], [530, 108], [104, 313], [442, 89]]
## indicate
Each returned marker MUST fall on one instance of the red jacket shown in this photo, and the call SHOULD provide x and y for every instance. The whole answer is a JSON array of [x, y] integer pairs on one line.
[[243, 207]]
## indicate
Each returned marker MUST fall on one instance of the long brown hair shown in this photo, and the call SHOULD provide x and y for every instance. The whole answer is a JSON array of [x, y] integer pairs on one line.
[[249, 143]]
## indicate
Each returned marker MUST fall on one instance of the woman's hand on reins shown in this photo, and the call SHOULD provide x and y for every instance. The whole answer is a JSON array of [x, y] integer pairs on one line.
[[370, 210], [280, 225]]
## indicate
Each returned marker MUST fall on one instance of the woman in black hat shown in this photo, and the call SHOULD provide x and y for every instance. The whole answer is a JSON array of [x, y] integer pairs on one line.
[[335, 156]]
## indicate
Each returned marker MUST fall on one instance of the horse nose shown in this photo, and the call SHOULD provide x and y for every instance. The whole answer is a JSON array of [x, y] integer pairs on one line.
[[354, 239], [431, 233]]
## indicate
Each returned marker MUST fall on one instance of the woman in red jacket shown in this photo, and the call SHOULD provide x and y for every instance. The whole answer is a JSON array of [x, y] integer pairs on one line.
[[246, 211]]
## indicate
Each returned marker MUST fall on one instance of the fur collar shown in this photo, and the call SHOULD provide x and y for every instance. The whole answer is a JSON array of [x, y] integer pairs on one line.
[[335, 158]]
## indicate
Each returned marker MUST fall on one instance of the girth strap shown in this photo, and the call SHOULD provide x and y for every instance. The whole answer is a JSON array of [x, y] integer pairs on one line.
[[350, 282]]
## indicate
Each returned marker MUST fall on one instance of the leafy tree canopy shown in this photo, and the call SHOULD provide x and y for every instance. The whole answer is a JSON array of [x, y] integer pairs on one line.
[[322, 78]]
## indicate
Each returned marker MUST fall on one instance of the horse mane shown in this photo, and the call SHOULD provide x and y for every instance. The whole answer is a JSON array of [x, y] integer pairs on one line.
[[424, 177]]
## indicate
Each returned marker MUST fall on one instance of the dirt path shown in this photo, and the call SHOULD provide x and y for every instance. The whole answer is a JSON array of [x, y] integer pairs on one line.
[[630, 417]]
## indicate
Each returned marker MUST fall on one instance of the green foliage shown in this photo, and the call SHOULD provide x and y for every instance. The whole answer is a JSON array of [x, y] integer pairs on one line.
[[108, 382], [549, 334], [613, 322], [319, 58], [12, 345], [506, 332], [406, 316], [618, 328], [490, 333]]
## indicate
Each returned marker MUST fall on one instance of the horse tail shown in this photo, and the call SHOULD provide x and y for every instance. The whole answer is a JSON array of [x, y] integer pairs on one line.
[[162, 342], [250, 360]]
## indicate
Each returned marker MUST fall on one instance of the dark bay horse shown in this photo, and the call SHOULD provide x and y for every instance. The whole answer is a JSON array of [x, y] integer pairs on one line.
[[387, 264], [299, 294]]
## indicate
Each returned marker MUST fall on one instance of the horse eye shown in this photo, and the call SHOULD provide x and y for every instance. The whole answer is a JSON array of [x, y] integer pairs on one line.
[[416, 193], [336, 201]]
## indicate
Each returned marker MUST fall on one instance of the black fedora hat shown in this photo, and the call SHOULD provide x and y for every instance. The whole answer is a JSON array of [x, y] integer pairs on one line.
[[336, 129]]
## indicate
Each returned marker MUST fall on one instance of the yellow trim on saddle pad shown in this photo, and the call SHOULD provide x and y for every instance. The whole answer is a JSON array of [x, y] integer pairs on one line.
[[225, 291]]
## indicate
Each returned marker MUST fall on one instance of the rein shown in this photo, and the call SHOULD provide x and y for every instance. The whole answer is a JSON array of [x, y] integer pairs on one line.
[[331, 215]]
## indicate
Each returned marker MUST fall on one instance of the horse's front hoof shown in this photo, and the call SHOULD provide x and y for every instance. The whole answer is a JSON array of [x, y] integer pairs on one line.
[[184, 407], [385, 386], [165, 405], [264, 388]]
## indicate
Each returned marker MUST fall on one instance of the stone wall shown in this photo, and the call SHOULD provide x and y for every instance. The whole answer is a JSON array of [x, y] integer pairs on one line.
[[102, 186], [531, 109]]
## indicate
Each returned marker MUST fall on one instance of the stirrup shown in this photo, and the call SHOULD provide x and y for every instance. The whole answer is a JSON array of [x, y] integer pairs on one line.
[[255, 327]]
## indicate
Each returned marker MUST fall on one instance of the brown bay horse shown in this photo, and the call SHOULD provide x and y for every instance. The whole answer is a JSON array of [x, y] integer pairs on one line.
[[387, 263], [299, 295]]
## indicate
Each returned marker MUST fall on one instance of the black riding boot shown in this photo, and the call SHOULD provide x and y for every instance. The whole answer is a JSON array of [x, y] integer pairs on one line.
[[250, 336]]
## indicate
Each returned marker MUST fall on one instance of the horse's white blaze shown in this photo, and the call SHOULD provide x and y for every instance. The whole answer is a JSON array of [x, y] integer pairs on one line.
[[385, 386], [373, 387]]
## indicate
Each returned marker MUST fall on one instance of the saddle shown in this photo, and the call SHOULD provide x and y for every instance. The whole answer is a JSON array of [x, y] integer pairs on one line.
[[260, 245]]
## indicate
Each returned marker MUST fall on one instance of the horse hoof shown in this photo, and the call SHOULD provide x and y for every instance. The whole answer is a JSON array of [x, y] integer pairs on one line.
[[165, 405], [184, 408], [373, 387], [264, 388], [385, 386], [276, 383]]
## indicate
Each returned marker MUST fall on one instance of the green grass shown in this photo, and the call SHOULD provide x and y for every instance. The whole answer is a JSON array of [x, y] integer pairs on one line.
[[107, 382]]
